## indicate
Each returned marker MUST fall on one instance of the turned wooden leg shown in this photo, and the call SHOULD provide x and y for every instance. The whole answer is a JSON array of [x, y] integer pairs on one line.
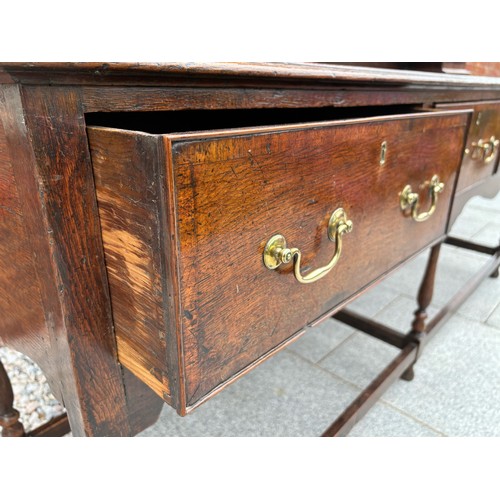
[[9, 417], [424, 299]]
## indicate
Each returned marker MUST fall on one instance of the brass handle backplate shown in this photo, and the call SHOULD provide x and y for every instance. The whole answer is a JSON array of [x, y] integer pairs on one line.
[[276, 252], [483, 150], [409, 200]]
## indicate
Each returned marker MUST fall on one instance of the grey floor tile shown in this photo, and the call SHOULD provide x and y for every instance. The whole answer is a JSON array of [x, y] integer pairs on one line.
[[489, 235], [468, 224], [317, 342], [484, 204], [494, 318], [455, 267], [285, 396], [406, 279], [482, 303], [384, 421], [456, 389], [359, 359], [399, 314], [374, 300]]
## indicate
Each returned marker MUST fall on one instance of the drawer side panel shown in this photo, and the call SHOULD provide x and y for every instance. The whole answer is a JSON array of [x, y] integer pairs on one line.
[[125, 166]]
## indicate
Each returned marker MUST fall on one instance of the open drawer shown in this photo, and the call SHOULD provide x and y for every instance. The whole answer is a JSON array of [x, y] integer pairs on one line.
[[222, 245]]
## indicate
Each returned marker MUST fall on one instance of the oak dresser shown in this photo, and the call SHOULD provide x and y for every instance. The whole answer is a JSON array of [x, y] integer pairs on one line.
[[165, 228]]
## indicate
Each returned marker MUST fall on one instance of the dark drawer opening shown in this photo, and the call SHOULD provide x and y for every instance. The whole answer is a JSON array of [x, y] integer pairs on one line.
[[164, 122]]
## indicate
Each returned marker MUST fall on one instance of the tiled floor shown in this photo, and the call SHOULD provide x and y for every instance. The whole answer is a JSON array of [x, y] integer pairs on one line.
[[301, 390]]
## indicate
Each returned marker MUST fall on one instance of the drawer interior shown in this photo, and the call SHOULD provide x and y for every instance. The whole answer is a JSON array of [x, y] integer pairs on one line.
[[164, 122]]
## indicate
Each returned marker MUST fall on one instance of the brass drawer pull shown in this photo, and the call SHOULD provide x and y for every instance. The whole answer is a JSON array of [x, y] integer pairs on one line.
[[483, 150], [410, 200], [277, 253]]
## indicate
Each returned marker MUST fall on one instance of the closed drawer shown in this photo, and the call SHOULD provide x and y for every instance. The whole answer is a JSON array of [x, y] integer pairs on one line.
[[482, 145], [186, 219]]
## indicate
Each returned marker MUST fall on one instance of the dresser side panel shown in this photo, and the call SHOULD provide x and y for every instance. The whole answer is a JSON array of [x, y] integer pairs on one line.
[[22, 322]]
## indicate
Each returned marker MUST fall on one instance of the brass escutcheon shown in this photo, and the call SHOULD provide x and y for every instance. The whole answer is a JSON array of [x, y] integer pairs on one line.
[[408, 200], [277, 253]]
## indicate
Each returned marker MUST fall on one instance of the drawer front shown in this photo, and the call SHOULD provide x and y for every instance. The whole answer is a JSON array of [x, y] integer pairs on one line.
[[234, 191], [482, 145]]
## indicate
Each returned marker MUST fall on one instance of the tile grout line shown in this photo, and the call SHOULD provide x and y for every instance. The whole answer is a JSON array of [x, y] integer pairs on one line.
[[354, 331], [341, 343], [412, 417], [360, 389]]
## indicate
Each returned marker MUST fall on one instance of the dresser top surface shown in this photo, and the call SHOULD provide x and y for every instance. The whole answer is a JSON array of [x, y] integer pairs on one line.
[[158, 73]]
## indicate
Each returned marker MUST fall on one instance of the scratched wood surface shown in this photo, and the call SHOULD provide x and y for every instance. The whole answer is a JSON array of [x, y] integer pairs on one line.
[[48, 150], [233, 191], [22, 322], [485, 123], [128, 198]]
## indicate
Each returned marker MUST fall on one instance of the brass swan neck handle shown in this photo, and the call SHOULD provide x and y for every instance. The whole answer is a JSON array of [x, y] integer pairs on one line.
[[408, 200], [276, 252]]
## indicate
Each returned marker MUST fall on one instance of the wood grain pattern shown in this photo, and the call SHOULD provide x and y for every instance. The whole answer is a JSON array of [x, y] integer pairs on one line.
[[53, 168], [229, 73], [49, 228], [153, 98], [485, 123], [128, 198], [22, 319], [235, 189]]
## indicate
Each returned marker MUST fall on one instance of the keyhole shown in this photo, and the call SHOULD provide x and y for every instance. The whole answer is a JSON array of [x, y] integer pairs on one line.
[[383, 152]]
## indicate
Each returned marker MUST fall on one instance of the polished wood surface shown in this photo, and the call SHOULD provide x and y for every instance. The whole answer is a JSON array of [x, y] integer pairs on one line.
[[214, 72], [236, 189], [485, 124], [290, 182], [50, 225]]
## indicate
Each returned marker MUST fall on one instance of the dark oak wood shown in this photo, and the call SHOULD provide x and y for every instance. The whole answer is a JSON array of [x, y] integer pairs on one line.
[[425, 293], [231, 73], [128, 192], [9, 416], [424, 298], [182, 301], [485, 123], [133, 98], [56, 427], [22, 319], [49, 159], [372, 328], [469, 245], [256, 171], [143, 405]]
